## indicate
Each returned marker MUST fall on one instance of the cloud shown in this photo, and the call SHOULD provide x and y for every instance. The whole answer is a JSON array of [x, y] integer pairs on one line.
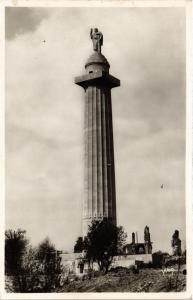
[[44, 119], [20, 20]]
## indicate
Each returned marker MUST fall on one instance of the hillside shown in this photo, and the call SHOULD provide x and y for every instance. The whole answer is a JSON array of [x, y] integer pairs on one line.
[[147, 280]]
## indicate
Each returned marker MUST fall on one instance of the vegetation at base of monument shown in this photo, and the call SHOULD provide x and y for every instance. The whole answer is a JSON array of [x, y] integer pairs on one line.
[[79, 246], [31, 269], [39, 269], [103, 241]]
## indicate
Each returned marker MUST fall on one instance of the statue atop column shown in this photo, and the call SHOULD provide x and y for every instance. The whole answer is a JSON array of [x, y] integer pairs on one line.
[[97, 39]]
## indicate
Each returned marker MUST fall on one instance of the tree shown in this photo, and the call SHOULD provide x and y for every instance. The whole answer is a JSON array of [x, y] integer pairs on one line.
[[50, 263], [79, 246], [27, 281], [103, 241], [15, 249]]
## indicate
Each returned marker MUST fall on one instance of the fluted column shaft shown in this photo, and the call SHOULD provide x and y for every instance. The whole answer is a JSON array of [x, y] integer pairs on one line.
[[100, 198]]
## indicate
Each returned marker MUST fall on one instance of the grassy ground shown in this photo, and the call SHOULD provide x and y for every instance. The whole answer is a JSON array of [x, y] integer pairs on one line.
[[147, 280]]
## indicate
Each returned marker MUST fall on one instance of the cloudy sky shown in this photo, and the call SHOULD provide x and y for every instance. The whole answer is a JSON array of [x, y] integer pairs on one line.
[[45, 49]]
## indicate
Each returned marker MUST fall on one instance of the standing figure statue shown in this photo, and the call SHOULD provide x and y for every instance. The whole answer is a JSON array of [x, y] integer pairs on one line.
[[97, 39]]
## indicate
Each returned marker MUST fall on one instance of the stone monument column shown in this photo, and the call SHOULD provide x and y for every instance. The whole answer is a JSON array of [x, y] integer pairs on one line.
[[100, 194]]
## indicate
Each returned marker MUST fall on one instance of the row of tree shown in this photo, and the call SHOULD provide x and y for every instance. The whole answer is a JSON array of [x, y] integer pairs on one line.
[[31, 269], [40, 270]]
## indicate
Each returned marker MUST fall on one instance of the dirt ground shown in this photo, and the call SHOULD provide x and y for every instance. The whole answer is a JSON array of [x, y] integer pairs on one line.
[[147, 280]]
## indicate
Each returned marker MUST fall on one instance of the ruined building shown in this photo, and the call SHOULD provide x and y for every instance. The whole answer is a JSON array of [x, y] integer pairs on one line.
[[176, 243], [139, 248]]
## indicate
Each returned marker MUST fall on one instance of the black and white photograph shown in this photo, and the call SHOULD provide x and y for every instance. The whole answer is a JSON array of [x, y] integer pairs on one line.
[[95, 124]]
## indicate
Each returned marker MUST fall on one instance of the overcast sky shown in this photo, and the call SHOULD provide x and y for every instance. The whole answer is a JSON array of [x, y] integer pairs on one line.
[[45, 49]]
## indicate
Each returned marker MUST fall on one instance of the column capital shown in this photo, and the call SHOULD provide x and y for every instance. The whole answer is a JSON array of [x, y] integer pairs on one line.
[[98, 78]]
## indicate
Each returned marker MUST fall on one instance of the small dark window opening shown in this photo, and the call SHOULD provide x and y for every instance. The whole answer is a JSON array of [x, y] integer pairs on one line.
[[90, 71]]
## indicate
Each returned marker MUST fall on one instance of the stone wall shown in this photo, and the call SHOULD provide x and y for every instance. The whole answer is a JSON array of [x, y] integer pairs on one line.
[[71, 262], [128, 260]]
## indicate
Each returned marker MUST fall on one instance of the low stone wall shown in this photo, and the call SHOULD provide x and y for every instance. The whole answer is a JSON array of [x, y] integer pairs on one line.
[[71, 262], [146, 258], [129, 260]]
